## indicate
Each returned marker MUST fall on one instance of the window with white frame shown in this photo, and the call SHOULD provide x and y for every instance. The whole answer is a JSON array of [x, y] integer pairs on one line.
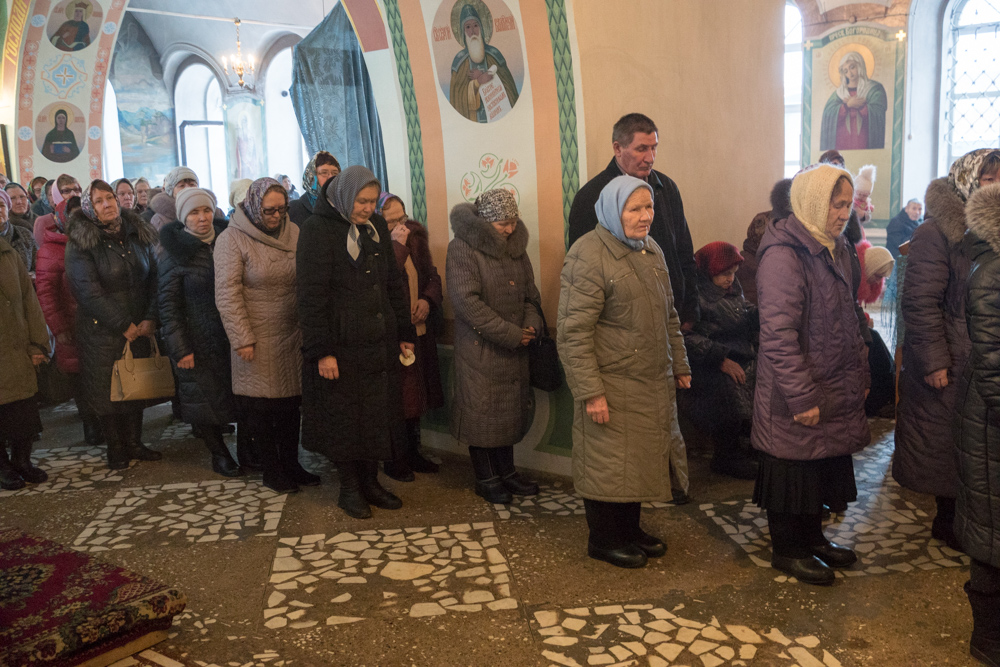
[[201, 134], [972, 84], [793, 88], [286, 149]]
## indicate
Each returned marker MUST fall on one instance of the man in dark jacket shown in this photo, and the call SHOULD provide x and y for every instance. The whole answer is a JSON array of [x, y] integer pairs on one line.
[[902, 226], [634, 139]]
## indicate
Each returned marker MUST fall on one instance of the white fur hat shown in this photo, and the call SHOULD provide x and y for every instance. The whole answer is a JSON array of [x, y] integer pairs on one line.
[[864, 182]]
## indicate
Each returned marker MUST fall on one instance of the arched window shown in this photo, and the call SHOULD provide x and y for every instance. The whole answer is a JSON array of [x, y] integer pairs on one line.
[[972, 86], [286, 149], [793, 88], [111, 137], [200, 128]]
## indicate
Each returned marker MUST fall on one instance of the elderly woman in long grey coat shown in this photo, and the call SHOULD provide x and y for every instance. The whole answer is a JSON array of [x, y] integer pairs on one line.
[[492, 289], [937, 343], [812, 375], [623, 352]]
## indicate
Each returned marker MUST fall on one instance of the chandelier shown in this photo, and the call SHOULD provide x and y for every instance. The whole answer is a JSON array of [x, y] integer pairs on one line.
[[241, 69]]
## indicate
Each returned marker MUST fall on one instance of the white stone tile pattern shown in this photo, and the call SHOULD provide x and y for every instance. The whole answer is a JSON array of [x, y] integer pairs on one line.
[[70, 469], [176, 431], [414, 571], [209, 511], [556, 499], [641, 634], [68, 406]]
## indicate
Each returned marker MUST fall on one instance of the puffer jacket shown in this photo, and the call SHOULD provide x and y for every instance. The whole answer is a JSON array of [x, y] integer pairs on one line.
[[56, 298], [191, 324], [492, 289], [933, 307], [977, 519], [255, 295], [620, 337], [113, 280], [22, 328], [811, 350]]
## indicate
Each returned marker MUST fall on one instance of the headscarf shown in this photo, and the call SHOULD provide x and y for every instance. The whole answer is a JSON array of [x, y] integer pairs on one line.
[[45, 195], [5, 198], [384, 199], [310, 183], [611, 203], [115, 185], [59, 215], [238, 191], [496, 205], [175, 176], [812, 190], [863, 83], [253, 205], [717, 257], [87, 203], [341, 191], [964, 172]]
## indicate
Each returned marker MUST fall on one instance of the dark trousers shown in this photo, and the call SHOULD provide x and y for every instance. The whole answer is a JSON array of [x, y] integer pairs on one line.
[[984, 578], [792, 535], [275, 435], [612, 525]]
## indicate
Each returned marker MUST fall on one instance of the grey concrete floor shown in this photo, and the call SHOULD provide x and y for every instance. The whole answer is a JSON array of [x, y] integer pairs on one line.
[[452, 580]]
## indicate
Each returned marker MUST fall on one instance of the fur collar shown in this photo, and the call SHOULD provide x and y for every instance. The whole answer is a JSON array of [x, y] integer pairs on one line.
[[179, 244], [983, 214], [947, 209], [86, 235], [781, 199], [479, 234]]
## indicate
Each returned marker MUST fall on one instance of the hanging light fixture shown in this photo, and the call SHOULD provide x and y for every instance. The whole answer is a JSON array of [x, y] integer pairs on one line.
[[242, 70]]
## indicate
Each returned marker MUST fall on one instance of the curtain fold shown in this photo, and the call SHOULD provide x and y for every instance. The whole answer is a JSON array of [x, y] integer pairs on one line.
[[333, 98]]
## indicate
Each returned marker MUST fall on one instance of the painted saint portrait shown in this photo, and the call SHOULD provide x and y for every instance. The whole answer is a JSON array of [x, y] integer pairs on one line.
[[854, 116], [482, 86], [74, 33], [60, 143]]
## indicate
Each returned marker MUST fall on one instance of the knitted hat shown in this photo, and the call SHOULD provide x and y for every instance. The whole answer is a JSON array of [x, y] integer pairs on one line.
[[496, 205], [176, 175], [5, 198], [718, 257], [864, 182], [189, 199], [812, 190], [878, 263], [238, 191]]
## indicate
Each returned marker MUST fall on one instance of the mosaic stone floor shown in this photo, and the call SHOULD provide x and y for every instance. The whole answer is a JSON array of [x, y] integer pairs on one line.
[[71, 469], [554, 499]]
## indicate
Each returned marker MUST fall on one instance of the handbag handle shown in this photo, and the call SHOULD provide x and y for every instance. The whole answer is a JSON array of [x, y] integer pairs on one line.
[[541, 313], [130, 360]]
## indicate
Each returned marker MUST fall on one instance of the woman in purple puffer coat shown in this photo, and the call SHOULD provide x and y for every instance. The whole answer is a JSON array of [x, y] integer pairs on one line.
[[812, 375]]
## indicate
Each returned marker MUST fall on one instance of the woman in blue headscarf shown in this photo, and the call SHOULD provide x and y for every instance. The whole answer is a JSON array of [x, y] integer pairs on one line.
[[623, 352]]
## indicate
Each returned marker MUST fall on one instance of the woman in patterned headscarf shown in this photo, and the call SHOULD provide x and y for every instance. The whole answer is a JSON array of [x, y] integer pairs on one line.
[[255, 295], [319, 171], [937, 343]]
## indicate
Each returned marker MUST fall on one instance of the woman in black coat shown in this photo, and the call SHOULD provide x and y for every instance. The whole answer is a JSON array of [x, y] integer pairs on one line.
[[355, 325], [111, 270], [977, 521], [192, 327]]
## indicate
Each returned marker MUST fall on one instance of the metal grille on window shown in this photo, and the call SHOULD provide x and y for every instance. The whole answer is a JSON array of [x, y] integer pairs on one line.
[[972, 116]]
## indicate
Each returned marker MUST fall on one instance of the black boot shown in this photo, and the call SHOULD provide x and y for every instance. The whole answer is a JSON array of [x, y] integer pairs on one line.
[[246, 448], [399, 469], [137, 450], [20, 460], [943, 526], [222, 461], [9, 479], [92, 433], [274, 477], [984, 644], [351, 500], [288, 454], [488, 484], [113, 427], [374, 492], [513, 481], [415, 460]]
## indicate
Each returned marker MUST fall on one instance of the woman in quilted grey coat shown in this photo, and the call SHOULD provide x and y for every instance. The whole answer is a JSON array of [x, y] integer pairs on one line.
[[936, 344], [255, 294], [492, 289]]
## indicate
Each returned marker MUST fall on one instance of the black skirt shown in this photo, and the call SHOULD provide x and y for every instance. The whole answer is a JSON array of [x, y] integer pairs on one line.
[[19, 420], [803, 487], [248, 405]]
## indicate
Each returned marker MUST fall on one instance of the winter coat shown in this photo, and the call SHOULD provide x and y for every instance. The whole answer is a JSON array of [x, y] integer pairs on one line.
[[255, 295], [492, 289], [977, 520], [359, 315], [620, 337], [42, 223], [27, 220], [899, 231], [933, 307], [113, 280], [781, 208], [23, 243], [190, 324], [56, 297], [669, 230], [22, 328], [811, 351], [422, 390], [299, 210]]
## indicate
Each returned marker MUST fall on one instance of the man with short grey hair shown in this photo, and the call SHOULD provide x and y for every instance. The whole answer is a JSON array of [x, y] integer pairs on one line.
[[902, 226]]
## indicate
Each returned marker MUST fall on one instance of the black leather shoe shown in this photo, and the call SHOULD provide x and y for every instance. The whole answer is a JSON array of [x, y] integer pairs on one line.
[[838, 506], [117, 464], [519, 486], [809, 570], [9, 479], [303, 477], [141, 452], [354, 505], [630, 556], [652, 546], [92, 433], [380, 497], [399, 471], [418, 463], [492, 490], [835, 555], [680, 498]]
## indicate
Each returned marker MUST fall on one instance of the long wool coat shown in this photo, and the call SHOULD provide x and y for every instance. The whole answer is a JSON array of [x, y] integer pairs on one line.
[[492, 289], [933, 306], [811, 349], [977, 520], [359, 315], [255, 295], [22, 328], [191, 324], [56, 297], [620, 337], [114, 282]]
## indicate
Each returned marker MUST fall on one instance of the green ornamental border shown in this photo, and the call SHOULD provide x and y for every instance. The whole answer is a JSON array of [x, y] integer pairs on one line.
[[562, 56]]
